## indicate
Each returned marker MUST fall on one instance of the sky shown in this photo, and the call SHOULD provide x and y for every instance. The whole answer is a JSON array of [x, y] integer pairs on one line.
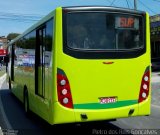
[[18, 15]]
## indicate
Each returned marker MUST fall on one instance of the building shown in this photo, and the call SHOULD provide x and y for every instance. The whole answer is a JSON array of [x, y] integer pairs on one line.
[[3, 42]]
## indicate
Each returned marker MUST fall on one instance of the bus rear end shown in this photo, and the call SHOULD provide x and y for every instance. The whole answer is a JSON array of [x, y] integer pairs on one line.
[[102, 65]]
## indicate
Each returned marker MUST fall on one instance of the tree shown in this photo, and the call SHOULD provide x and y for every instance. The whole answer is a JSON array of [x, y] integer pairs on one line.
[[12, 36]]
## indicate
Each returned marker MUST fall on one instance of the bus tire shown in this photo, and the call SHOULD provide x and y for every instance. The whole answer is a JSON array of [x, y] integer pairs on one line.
[[26, 103]]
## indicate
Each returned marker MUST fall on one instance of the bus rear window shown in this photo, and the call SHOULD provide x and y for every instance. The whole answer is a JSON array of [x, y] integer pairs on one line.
[[103, 31]]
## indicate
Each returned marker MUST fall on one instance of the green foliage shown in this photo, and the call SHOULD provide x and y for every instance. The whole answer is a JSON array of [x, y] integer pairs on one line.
[[12, 36], [2, 72]]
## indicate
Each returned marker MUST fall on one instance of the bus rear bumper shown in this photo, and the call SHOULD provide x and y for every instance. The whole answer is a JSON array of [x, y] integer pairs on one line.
[[65, 115], [105, 114]]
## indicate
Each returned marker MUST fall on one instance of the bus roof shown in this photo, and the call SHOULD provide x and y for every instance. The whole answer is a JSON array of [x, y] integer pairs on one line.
[[108, 8]]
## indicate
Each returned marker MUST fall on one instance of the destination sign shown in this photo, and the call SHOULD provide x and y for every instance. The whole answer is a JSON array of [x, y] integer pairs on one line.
[[127, 22]]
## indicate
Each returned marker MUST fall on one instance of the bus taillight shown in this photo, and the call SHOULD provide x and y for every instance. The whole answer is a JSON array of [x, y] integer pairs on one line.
[[144, 90], [64, 92]]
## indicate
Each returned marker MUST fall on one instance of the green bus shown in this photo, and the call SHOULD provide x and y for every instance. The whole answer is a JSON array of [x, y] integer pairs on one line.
[[81, 64]]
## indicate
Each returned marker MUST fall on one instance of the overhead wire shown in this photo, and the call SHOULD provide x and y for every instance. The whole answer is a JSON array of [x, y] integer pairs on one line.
[[112, 2], [130, 4], [20, 20], [24, 15], [147, 7], [127, 3], [20, 17], [157, 0], [37, 17]]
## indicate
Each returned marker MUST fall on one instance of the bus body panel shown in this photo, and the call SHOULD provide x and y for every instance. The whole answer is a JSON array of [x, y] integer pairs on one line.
[[90, 81], [64, 115], [20, 74], [36, 104], [96, 114], [145, 106], [25, 76], [89, 84]]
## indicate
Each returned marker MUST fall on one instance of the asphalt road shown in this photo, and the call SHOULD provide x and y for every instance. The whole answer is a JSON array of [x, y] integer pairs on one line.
[[20, 124]]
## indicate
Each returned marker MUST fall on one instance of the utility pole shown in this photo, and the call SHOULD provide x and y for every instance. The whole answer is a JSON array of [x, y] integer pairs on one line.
[[135, 4]]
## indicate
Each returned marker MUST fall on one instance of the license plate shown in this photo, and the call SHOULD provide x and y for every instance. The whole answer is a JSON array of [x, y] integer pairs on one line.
[[107, 100]]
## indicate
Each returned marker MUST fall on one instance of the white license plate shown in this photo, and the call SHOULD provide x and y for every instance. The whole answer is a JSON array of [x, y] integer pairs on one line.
[[106, 100]]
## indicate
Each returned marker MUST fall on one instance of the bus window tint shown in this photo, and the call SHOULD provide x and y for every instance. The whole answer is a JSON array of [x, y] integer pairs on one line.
[[104, 31], [129, 32], [89, 31], [25, 50]]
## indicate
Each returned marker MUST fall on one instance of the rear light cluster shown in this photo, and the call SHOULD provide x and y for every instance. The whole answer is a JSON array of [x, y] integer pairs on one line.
[[64, 92], [144, 90]]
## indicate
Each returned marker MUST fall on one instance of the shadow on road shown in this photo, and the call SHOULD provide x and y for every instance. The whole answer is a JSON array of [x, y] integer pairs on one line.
[[36, 126]]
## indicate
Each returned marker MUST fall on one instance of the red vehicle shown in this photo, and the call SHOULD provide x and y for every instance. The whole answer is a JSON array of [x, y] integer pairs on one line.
[[3, 54]]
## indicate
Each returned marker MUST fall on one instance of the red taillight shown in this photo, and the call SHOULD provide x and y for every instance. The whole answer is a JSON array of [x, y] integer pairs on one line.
[[144, 90], [64, 92]]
